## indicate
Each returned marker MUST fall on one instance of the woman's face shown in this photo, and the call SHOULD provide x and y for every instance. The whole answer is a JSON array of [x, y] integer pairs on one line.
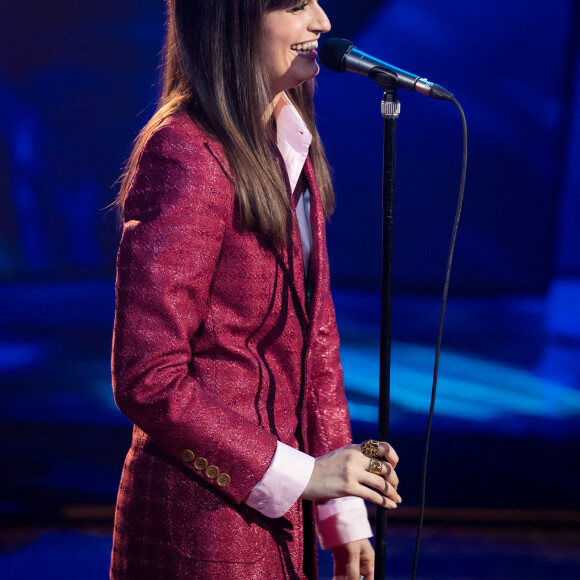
[[289, 42]]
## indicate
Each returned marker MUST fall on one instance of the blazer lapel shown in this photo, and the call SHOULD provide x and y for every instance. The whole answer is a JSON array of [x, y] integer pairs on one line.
[[291, 260], [291, 257], [318, 256]]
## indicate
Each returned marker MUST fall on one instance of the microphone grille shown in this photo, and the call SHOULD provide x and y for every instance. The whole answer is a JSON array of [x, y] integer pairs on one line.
[[333, 51]]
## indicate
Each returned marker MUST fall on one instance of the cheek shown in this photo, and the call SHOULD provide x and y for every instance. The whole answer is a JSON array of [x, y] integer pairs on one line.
[[281, 56], [274, 49]]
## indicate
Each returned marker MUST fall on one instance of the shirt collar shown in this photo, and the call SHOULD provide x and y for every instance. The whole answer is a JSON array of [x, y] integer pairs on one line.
[[293, 138]]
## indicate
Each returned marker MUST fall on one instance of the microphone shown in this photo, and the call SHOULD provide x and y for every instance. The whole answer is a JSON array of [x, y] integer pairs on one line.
[[341, 55]]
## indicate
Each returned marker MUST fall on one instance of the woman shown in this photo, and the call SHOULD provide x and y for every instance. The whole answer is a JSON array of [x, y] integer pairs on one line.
[[225, 351]]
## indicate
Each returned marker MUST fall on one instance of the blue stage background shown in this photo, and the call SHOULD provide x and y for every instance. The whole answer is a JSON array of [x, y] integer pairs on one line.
[[77, 82]]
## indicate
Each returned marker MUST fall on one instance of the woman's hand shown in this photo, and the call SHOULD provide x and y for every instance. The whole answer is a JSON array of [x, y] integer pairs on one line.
[[353, 560], [345, 472]]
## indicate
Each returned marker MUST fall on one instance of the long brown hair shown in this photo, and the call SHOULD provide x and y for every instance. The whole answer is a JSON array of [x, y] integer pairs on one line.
[[212, 71]]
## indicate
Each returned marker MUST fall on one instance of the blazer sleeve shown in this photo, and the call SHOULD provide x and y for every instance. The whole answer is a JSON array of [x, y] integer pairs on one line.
[[176, 212]]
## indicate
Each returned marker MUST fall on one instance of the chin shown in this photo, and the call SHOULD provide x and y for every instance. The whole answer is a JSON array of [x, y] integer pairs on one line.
[[302, 78]]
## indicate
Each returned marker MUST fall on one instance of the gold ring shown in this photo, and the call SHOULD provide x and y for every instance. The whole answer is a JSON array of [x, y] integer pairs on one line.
[[375, 466], [370, 447]]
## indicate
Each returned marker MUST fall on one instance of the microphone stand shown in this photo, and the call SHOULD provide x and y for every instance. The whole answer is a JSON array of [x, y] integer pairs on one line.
[[390, 109]]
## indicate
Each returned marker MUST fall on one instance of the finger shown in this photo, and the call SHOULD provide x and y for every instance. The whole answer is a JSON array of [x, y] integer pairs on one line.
[[387, 471], [367, 561], [383, 450], [385, 481], [388, 453], [367, 569], [370, 494], [353, 569], [347, 570], [382, 486], [367, 572]]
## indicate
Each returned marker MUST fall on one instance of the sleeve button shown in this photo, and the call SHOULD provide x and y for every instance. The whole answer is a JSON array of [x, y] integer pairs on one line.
[[187, 455], [212, 472], [223, 480], [200, 463]]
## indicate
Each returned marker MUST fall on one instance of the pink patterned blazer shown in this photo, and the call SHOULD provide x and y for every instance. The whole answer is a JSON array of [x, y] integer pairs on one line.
[[215, 357]]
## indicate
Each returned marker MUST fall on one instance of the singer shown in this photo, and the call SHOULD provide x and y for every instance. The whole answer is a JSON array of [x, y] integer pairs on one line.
[[225, 347]]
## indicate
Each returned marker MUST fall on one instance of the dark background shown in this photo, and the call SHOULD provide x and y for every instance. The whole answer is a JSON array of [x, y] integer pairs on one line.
[[78, 81]]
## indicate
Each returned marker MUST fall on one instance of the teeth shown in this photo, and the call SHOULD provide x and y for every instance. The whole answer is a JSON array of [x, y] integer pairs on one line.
[[305, 46]]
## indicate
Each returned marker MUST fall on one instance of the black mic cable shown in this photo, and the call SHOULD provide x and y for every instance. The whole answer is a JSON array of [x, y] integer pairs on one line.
[[440, 334], [340, 55]]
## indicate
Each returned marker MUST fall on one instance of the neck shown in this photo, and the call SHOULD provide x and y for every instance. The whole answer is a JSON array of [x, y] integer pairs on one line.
[[274, 107]]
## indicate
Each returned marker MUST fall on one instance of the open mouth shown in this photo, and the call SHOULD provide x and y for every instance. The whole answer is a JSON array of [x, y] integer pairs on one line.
[[305, 47]]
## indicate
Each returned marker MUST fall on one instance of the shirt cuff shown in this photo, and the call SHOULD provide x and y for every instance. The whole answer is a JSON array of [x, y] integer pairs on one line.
[[283, 483], [342, 520]]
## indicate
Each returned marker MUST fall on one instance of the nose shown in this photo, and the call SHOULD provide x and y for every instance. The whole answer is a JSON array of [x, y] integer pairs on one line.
[[320, 22]]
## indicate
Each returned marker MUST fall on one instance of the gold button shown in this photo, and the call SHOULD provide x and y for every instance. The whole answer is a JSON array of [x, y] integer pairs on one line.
[[187, 455], [212, 471], [223, 480], [309, 353], [200, 463]]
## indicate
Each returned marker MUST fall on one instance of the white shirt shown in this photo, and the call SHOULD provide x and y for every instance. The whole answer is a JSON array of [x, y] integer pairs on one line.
[[338, 520]]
